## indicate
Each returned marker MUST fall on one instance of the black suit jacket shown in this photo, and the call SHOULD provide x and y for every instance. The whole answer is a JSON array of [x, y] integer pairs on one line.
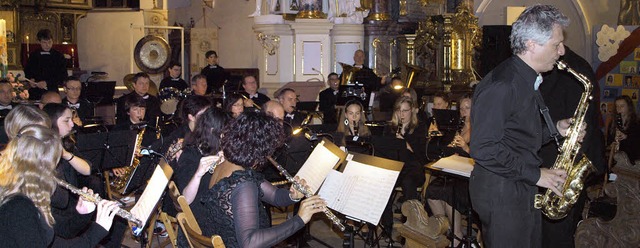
[[215, 77], [50, 67], [261, 99], [328, 102], [84, 110], [297, 119]]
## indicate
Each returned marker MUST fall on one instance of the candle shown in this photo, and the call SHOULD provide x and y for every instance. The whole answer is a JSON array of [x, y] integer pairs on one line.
[[3, 46], [71, 52], [73, 61], [27, 38]]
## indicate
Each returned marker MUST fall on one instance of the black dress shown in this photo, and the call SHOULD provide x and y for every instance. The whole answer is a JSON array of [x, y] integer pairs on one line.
[[22, 225], [236, 213]]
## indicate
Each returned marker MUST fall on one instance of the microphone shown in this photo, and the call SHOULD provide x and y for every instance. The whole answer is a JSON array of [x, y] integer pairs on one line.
[[149, 152]]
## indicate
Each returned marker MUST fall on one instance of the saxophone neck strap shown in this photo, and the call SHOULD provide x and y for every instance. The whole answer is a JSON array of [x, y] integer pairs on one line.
[[544, 110]]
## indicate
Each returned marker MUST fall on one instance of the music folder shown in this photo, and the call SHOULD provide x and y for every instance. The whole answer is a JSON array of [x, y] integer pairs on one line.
[[360, 188], [152, 193], [454, 164]]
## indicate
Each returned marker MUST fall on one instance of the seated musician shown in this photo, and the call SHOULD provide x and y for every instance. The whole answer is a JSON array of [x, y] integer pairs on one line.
[[82, 108], [352, 127], [234, 195], [6, 98], [49, 97], [203, 142], [365, 75], [274, 109], [68, 222], [141, 88], [251, 92], [174, 80], [233, 105], [625, 128], [26, 187], [199, 85], [288, 98], [440, 101], [422, 114], [328, 99], [439, 194], [135, 107]]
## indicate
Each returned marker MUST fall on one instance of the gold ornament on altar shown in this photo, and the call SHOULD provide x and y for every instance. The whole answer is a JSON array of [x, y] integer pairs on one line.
[[454, 38], [269, 42]]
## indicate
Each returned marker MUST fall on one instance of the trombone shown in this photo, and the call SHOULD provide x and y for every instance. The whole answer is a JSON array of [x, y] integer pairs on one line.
[[252, 103]]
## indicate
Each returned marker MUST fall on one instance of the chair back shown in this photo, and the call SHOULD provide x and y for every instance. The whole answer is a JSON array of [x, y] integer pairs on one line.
[[195, 237]]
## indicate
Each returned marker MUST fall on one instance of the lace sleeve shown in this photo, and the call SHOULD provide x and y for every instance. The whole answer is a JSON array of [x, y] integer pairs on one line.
[[275, 196], [246, 206]]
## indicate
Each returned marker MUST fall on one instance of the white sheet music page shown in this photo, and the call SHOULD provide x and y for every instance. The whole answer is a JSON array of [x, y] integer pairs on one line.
[[455, 164], [317, 167], [151, 195], [361, 191]]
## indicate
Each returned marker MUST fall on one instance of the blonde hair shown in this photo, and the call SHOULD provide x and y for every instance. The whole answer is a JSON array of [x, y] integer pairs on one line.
[[23, 115], [395, 121], [27, 167], [362, 129]]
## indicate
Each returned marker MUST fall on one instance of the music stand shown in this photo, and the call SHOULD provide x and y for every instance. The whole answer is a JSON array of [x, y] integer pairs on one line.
[[447, 120], [307, 106], [107, 150], [100, 92], [457, 167]]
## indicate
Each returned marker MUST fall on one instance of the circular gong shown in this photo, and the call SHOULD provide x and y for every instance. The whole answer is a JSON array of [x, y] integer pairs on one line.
[[152, 54]]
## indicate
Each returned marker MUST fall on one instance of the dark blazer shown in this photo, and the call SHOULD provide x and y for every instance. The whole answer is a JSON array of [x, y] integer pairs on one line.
[[48, 66], [152, 111], [84, 109], [328, 99], [259, 100]]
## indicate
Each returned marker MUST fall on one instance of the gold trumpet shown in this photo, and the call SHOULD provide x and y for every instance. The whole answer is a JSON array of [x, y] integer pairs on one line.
[[253, 103]]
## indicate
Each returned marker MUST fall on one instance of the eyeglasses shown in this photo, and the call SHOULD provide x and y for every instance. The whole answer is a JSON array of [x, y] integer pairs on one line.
[[73, 88], [405, 110]]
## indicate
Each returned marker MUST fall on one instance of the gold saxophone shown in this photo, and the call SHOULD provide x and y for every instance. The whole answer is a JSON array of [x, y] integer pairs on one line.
[[556, 206], [120, 183]]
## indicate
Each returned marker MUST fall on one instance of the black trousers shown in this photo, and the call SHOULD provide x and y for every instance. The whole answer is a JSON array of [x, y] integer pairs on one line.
[[506, 211]]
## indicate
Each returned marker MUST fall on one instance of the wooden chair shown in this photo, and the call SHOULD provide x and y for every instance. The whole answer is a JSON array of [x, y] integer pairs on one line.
[[192, 230], [421, 230], [168, 220]]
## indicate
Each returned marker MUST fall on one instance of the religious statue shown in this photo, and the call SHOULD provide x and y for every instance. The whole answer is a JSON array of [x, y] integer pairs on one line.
[[629, 12], [346, 12], [272, 7]]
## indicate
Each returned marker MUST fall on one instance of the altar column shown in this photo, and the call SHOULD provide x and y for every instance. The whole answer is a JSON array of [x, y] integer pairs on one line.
[[312, 46], [347, 38], [276, 61]]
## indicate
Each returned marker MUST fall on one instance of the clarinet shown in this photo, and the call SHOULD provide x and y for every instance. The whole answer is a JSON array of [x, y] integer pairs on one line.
[[355, 128], [96, 200], [399, 132], [306, 193]]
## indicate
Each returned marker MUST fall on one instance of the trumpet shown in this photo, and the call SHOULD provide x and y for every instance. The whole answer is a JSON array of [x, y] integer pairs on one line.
[[95, 199], [253, 103], [306, 193]]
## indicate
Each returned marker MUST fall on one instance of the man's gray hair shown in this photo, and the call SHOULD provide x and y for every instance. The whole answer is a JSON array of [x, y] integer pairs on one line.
[[535, 23]]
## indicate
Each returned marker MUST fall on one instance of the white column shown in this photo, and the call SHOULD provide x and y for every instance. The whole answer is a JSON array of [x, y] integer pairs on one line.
[[312, 48], [347, 38]]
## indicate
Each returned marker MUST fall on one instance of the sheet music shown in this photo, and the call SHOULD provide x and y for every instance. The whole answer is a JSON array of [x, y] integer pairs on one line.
[[455, 164], [151, 195], [361, 191], [320, 162]]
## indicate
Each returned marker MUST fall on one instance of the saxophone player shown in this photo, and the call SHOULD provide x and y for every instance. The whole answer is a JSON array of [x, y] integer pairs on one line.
[[509, 131]]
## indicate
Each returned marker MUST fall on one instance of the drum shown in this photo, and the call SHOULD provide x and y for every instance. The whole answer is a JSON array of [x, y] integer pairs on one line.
[[170, 97]]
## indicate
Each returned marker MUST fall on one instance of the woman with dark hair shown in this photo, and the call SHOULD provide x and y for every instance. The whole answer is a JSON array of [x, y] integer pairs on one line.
[[69, 222], [233, 105], [235, 192], [625, 128]]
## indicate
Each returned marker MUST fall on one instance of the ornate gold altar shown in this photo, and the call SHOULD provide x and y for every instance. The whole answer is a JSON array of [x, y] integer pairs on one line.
[[452, 38]]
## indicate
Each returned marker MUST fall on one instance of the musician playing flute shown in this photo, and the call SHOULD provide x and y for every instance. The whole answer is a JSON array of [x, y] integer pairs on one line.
[[236, 191]]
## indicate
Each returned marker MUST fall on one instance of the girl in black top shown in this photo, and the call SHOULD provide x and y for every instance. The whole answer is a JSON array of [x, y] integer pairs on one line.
[[352, 129], [26, 168], [625, 128]]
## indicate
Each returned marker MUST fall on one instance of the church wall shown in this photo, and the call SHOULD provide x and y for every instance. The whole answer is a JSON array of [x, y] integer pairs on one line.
[[104, 42], [583, 14], [237, 44]]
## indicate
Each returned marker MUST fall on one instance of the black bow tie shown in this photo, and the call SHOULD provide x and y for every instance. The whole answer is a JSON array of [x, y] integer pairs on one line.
[[8, 107], [74, 106], [253, 96], [289, 116]]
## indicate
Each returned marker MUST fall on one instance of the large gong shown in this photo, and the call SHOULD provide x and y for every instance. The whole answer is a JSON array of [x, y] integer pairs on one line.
[[152, 54]]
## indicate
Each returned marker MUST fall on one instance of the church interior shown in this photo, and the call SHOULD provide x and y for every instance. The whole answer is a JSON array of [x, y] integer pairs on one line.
[[433, 47]]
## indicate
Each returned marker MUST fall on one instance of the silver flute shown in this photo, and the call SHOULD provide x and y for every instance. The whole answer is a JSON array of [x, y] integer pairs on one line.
[[94, 198], [306, 193]]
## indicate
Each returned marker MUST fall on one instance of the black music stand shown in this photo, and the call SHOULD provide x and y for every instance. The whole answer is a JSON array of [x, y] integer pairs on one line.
[[99, 93], [457, 173], [107, 150]]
